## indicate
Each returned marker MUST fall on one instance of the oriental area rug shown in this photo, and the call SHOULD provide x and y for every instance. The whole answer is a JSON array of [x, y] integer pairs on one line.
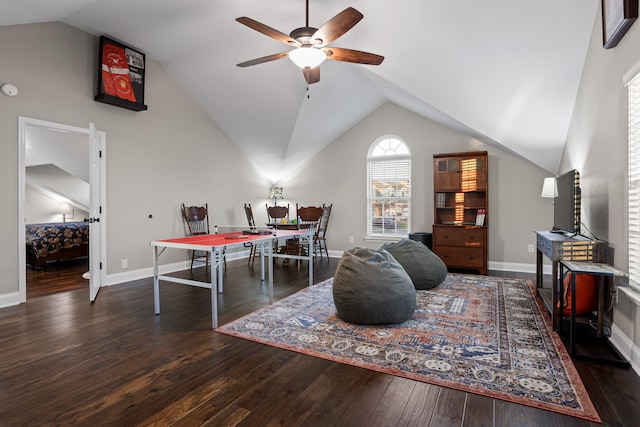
[[478, 334]]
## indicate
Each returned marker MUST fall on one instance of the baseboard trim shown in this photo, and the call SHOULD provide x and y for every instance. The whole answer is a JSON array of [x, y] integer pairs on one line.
[[626, 347], [117, 278], [13, 298], [9, 299], [518, 267], [143, 273]]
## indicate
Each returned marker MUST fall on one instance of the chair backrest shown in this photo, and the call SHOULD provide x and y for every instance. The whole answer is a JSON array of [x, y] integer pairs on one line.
[[308, 215], [249, 212], [196, 218], [324, 220], [277, 212]]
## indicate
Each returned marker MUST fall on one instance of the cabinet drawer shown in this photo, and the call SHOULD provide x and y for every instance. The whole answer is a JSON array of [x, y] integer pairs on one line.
[[545, 247], [461, 257], [458, 236]]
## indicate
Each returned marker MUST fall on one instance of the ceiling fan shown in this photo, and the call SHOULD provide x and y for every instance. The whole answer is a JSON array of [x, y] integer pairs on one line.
[[311, 43]]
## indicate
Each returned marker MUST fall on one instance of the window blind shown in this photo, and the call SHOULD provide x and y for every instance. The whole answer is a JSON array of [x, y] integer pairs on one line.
[[389, 189], [634, 181]]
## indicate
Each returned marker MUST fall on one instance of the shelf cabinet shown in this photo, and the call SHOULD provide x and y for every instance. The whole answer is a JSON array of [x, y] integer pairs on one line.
[[460, 229]]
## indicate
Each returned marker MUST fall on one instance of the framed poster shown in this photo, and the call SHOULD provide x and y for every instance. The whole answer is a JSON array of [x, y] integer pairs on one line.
[[120, 75], [617, 18]]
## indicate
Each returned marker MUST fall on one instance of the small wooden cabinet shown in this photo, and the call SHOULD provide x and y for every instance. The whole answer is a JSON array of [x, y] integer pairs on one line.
[[461, 214]]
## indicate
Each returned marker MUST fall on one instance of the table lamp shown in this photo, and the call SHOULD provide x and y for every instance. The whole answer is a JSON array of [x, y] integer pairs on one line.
[[550, 187], [65, 209], [275, 193]]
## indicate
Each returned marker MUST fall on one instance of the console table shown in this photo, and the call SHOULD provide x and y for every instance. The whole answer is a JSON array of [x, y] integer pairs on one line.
[[595, 269], [557, 247]]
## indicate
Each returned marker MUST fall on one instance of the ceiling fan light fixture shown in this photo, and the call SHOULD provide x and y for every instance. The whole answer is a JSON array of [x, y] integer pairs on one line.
[[305, 57]]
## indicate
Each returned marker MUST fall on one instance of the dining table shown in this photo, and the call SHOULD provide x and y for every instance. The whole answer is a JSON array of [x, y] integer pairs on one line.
[[291, 225], [293, 246]]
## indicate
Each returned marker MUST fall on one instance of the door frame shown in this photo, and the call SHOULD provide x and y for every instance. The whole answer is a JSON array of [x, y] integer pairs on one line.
[[100, 187]]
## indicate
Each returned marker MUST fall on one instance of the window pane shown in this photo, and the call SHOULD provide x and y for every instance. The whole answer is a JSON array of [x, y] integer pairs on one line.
[[389, 188]]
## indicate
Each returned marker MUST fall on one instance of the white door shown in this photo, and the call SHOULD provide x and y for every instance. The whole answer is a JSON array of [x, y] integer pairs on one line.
[[96, 217], [97, 200]]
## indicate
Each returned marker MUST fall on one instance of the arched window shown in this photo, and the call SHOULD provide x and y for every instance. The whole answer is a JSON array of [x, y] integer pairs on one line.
[[389, 188]]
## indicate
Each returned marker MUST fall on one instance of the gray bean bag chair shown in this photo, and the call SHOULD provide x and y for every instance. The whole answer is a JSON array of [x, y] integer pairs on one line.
[[370, 288], [425, 268]]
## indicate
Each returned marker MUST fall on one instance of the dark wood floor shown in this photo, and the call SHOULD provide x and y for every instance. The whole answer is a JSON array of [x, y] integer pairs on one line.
[[65, 361], [57, 276]]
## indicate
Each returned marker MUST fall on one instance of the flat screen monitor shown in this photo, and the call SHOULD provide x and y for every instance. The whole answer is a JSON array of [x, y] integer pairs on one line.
[[566, 208]]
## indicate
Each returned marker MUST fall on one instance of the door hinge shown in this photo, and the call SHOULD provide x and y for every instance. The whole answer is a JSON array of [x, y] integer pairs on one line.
[[100, 209], [100, 266], [100, 153]]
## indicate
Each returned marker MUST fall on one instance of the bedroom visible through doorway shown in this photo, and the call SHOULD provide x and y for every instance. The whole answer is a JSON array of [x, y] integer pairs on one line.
[[61, 193]]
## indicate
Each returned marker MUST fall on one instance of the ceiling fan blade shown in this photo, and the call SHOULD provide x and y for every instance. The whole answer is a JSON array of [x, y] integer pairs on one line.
[[311, 75], [350, 55], [337, 26], [268, 31], [263, 59]]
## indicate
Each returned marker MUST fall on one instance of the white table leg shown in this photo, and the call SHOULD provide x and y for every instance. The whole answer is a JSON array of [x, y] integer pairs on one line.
[[270, 250], [218, 254], [261, 261], [156, 284], [214, 293], [310, 260]]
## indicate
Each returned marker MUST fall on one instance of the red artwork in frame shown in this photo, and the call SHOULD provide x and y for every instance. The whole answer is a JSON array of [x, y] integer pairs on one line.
[[120, 75]]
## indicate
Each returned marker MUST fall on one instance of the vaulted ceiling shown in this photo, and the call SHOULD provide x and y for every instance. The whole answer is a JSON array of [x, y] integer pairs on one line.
[[505, 72]]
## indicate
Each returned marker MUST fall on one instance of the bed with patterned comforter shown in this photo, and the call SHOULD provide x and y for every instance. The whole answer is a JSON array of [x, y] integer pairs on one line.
[[56, 241]]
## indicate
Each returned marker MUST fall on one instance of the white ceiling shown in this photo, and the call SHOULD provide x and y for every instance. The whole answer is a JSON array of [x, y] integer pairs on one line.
[[505, 72]]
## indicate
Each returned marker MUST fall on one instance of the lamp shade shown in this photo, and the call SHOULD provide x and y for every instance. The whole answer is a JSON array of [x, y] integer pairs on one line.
[[549, 187], [275, 193], [305, 57], [64, 208]]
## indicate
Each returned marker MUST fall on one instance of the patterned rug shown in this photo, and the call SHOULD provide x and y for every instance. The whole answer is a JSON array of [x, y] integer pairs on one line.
[[479, 334]]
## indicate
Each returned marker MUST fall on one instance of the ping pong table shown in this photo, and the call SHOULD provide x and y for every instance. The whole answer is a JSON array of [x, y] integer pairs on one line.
[[215, 243]]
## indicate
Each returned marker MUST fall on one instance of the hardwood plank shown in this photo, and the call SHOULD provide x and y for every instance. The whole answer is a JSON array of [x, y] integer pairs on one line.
[[369, 396], [391, 407], [421, 405], [449, 408], [479, 411], [114, 362]]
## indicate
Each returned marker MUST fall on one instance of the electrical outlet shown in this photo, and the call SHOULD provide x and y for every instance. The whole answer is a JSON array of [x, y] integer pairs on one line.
[[530, 249], [125, 263], [350, 239]]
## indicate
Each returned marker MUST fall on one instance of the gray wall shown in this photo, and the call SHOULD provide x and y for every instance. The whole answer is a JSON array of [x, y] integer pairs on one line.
[[597, 147], [173, 153], [157, 159], [338, 175]]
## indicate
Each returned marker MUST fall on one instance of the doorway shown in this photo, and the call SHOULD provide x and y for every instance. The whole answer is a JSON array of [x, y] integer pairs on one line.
[[62, 165]]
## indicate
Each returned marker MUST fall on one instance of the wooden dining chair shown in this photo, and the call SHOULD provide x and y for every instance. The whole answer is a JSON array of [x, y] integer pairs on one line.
[[196, 219], [308, 216], [320, 239], [253, 251], [276, 213], [308, 219]]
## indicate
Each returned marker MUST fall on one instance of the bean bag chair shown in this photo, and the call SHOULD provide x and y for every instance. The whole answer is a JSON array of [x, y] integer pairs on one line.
[[371, 288], [425, 268]]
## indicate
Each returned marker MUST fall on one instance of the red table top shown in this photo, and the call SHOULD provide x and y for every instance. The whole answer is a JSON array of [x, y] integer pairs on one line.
[[208, 241]]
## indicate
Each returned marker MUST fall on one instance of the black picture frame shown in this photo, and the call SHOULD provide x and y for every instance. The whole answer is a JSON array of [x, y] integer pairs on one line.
[[617, 18], [120, 75]]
